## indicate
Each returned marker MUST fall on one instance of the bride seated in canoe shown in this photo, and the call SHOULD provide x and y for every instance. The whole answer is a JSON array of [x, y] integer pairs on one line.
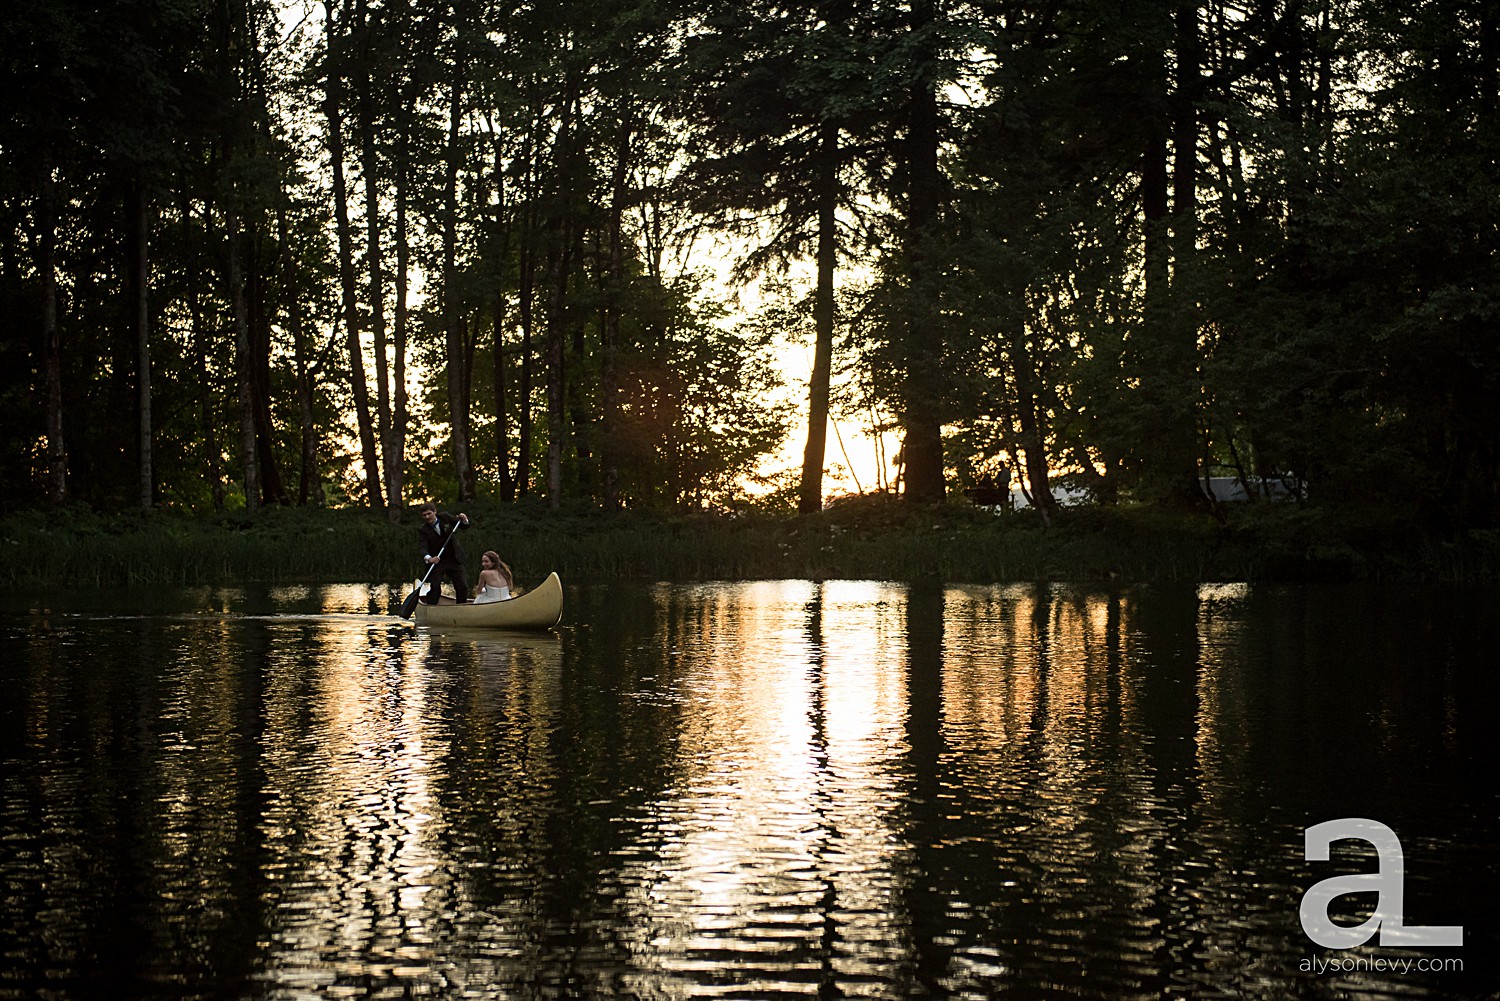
[[495, 579]]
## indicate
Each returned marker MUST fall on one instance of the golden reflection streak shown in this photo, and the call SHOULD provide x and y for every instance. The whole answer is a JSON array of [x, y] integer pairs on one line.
[[770, 862], [500, 934], [868, 669], [1041, 728], [1225, 735], [358, 881], [192, 826]]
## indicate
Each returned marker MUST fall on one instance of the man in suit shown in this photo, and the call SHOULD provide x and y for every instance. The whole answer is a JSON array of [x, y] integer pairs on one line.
[[438, 533]]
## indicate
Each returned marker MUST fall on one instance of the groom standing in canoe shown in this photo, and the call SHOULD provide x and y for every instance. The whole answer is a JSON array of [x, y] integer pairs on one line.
[[442, 556]]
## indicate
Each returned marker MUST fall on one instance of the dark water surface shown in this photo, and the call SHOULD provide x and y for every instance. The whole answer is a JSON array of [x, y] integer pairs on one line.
[[846, 789]]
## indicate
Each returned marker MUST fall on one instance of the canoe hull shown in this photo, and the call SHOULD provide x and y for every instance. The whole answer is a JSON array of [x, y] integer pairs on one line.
[[539, 608]]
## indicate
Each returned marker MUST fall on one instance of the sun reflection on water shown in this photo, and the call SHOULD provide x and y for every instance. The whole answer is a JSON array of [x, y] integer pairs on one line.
[[776, 788], [767, 866], [350, 821]]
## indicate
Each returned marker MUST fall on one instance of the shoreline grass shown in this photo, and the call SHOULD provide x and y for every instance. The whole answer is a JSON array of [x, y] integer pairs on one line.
[[874, 538]]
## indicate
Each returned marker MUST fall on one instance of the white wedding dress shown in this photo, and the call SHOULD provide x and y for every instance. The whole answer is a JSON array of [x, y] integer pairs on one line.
[[488, 594]]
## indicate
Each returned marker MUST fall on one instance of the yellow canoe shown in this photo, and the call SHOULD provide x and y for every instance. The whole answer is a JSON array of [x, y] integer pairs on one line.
[[539, 608]]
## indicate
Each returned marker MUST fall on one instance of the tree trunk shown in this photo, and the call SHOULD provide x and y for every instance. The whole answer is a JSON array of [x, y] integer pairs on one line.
[[578, 415], [138, 227], [609, 327], [559, 237], [1487, 62], [242, 365], [810, 496], [923, 355], [309, 477], [1033, 438], [557, 270], [609, 392], [272, 491], [1185, 135], [1184, 322], [526, 296], [57, 456], [388, 454], [1154, 203], [207, 423], [258, 267], [502, 403], [500, 370], [331, 107], [1162, 362], [397, 482], [458, 405]]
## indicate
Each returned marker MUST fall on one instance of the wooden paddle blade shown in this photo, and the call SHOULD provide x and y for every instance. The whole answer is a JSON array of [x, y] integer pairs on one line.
[[410, 604]]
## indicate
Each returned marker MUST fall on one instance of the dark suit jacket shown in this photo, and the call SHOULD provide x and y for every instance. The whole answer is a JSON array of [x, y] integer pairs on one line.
[[433, 536]]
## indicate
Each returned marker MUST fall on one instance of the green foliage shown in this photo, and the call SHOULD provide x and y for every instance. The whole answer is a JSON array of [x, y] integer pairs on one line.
[[1161, 238], [693, 415]]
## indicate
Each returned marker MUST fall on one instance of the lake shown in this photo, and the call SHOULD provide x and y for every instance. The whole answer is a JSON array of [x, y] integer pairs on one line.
[[745, 790]]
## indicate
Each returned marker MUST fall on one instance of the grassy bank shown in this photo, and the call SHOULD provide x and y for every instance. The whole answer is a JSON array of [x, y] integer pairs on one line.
[[865, 539]]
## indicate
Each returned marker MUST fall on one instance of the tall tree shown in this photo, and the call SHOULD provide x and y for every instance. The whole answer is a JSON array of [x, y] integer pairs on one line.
[[139, 228], [453, 306], [777, 93], [244, 366], [57, 454], [333, 109], [922, 341], [414, 36], [370, 48], [233, 199]]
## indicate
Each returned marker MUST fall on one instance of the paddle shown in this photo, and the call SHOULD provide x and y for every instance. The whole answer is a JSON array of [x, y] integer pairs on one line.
[[410, 604]]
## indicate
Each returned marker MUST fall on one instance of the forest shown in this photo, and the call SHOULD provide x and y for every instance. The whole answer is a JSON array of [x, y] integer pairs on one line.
[[359, 253]]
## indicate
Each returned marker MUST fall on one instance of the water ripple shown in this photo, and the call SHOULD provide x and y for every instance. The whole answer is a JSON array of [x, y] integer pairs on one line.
[[725, 790]]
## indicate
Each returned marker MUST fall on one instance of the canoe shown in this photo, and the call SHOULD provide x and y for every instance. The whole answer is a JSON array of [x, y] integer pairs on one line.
[[539, 608]]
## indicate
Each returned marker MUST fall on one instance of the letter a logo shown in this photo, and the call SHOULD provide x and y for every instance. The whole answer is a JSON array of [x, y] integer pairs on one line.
[[1389, 884]]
